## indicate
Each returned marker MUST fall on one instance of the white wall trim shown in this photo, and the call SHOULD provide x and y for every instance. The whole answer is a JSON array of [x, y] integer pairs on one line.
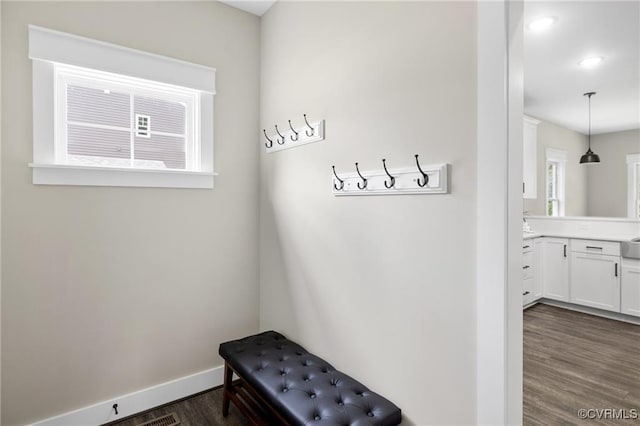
[[56, 46], [591, 311], [632, 179], [499, 213], [138, 401], [491, 240], [62, 174], [554, 154], [531, 121]]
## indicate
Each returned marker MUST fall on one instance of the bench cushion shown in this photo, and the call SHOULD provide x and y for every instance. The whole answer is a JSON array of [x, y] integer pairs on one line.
[[302, 387]]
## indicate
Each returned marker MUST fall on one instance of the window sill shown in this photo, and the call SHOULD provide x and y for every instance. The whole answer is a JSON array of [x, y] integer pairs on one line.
[[62, 174]]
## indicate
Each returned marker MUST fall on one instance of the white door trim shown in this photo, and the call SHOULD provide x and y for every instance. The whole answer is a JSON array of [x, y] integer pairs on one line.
[[499, 213]]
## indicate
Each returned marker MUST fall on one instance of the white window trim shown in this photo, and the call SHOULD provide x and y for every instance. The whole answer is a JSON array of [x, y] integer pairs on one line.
[[633, 163], [560, 157], [47, 47]]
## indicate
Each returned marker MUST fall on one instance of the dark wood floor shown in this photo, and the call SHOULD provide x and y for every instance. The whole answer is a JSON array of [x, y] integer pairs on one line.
[[574, 361], [204, 409]]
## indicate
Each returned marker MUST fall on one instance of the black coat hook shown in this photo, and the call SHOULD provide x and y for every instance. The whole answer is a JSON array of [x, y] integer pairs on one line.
[[115, 407], [294, 131], [309, 125], [424, 175], [364, 181], [281, 136], [339, 180], [270, 144], [393, 180]]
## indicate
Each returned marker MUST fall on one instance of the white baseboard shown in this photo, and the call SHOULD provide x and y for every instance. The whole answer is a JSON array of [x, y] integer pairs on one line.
[[592, 311], [138, 401]]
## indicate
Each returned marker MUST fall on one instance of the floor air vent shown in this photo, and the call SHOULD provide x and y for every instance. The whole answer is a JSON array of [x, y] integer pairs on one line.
[[168, 420]]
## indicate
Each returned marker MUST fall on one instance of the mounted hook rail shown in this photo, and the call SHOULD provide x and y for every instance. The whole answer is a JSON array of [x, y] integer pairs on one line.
[[307, 133], [417, 179]]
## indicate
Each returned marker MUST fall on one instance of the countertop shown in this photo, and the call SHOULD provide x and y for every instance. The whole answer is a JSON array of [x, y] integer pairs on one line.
[[585, 236]]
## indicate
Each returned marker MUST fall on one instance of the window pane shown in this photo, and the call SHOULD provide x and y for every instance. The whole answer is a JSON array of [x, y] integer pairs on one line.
[[96, 142], [160, 151], [97, 106], [551, 180], [165, 116]]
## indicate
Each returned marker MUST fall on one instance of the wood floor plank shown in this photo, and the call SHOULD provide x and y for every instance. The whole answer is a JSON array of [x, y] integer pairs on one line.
[[576, 361]]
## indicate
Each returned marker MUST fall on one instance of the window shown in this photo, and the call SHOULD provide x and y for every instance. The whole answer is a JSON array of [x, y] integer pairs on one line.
[[109, 115], [555, 188], [633, 186]]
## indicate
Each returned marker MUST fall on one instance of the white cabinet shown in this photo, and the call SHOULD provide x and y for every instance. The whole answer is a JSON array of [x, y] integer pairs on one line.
[[630, 287], [595, 274], [555, 270], [530, 157], [531, 271], [528, 272]]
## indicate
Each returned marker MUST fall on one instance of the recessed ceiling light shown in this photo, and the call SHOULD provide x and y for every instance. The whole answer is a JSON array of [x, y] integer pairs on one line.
[[590, 62], [543, 23]]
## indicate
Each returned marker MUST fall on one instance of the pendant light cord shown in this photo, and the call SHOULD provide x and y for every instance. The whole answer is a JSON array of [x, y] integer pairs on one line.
[[589, 94], [590, 121]]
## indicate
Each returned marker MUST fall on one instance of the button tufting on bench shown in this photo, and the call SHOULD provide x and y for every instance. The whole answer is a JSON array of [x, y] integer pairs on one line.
[[334, 398]]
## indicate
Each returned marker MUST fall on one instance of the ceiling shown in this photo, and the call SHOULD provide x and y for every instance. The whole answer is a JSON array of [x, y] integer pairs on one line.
[[257, 7], [554, 83]]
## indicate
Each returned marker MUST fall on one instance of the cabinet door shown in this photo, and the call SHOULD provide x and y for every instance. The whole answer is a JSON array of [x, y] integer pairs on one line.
[[595, 281], [555, 269], [630, 290]]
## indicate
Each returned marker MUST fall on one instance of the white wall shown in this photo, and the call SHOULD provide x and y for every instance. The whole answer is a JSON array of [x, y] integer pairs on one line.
[[111, 290], [608, 180], [551, 135], [382, 287]]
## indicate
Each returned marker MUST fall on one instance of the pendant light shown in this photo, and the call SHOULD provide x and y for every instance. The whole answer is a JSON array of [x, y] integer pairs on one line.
[[589, 157]]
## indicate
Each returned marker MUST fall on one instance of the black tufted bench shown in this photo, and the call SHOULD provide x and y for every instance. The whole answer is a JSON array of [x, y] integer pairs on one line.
[[280, 382]]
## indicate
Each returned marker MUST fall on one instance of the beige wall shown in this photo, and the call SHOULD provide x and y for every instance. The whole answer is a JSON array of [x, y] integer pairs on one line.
[[110, 290], [575, 144], [608, 180], [382, 286]]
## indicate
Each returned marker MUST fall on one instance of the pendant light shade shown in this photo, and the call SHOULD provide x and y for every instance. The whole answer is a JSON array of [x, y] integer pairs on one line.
[[589, 157]]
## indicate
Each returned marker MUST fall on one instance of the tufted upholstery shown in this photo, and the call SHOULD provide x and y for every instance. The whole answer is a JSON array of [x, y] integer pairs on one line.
[[305, 389]]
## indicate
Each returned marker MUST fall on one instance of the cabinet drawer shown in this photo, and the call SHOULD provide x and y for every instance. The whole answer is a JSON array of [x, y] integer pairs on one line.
[[527, 265], [609, 248], [528, 295]]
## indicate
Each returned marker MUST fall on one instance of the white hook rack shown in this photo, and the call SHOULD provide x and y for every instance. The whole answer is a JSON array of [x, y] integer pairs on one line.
[[290, 139], [406, 181]]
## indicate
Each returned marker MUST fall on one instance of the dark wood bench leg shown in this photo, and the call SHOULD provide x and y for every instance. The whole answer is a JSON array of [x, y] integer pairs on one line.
[[228, 376]]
